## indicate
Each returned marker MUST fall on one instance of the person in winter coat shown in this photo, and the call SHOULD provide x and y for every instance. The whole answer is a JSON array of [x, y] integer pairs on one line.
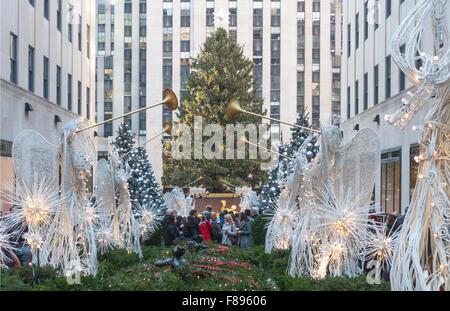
[[190, 229], [215, 231], [244, 231], [170, 232], [229, 230], [205, 229]]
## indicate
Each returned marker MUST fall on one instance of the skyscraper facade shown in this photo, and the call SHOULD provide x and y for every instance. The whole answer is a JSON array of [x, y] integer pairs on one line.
[[47, 71], [145, 46]]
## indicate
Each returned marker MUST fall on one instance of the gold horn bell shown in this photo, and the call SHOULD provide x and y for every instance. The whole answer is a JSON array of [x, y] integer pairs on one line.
[[170, 99], [168, 128], [234, 109]]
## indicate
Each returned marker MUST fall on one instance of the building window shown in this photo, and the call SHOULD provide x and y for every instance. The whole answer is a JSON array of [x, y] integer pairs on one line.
[[276, 14], [31, 2], [13, 58], [88, 41], [390, 181], [69, 92], [88, 103], [233, 16], [58, 85], [356, 97], [79, 98], [30, 68], [45, 76], [366, 20], [210, 15], [366, 91], [47, 9], [59, 16], [376, 85], [402, 77], [414, 152], [185, 46], [349, 40], [70, 32], [357, 31], [388, 77], [348, 102], [142, 124], [388, 8], [167, 15], [128, 8]]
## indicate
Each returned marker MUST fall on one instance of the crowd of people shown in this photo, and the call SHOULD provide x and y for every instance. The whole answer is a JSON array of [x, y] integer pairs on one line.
[[225, 227]]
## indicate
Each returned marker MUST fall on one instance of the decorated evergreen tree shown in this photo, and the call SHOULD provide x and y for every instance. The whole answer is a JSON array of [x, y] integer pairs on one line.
[[220, 73], [270, 192], [144, 189]]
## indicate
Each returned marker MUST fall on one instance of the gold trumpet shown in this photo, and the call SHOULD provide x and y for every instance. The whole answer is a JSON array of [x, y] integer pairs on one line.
[[245, 141], [234, 109], [167, 129], [170, 100]]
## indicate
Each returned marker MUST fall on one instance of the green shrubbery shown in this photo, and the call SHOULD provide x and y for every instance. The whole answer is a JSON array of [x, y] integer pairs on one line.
[[119, 270], [259, 230]]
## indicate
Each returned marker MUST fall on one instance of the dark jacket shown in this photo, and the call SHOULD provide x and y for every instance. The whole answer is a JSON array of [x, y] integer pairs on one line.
[[190, 228], [170, 232], [215, 232], [245, 236]]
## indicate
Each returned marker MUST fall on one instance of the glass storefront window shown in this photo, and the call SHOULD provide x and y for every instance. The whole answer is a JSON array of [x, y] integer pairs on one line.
[[390, 181]]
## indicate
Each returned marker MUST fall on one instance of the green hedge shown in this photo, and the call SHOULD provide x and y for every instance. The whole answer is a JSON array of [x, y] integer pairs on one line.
[[119, 270], [259, 230]]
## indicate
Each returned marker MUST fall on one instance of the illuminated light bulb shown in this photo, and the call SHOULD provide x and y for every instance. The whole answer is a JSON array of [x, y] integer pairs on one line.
[[415, 128], [417, 159], [420, 176]]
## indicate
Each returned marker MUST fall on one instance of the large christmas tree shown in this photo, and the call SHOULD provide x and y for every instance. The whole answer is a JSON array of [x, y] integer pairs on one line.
[[270, 192], [220, 73], [144, 189]]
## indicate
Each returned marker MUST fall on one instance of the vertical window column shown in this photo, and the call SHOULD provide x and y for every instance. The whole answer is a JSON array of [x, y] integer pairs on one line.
[[128, 60], [30, 68], [209, 17], [13, 58], [142, 66], [315, 120], [232, 10], [301, 56], [45, 77], [275, 68], [167, 53], [258, 45]]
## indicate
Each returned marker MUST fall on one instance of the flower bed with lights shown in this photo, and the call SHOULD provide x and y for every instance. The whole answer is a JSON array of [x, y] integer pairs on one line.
[[230, 268]]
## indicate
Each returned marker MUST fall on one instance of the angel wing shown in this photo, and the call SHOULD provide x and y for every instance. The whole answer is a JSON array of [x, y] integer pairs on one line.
[[105, 188], [356, 165], [34, 156]]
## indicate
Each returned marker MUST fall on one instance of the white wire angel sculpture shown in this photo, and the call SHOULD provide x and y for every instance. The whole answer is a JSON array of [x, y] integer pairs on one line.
[[112, 192], [249, 199], [334, 201], [285, 214], [421, 258], [177, 201]]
